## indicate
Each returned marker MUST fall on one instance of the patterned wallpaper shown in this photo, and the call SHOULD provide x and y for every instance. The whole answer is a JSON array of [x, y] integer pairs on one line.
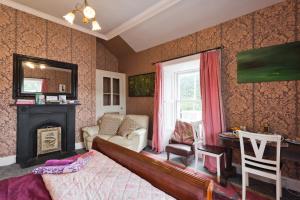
[[252, 105], [26, 34], [105, 59]]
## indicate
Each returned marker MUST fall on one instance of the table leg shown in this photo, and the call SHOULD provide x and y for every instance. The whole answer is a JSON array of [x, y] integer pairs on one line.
[[229, 169]]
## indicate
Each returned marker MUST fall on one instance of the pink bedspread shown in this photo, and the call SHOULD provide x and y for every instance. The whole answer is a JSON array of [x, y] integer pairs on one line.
[[27, 187], [101, 179]]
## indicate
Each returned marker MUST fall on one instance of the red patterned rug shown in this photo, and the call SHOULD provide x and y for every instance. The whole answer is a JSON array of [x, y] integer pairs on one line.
[[230, 192]]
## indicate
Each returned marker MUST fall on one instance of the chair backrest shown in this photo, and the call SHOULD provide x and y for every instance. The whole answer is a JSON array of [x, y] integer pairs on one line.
[[183, 133], [259, 142], [141, 120], [198, 133]]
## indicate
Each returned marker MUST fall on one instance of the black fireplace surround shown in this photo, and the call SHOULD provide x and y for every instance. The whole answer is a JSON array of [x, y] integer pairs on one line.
[[32, 117]]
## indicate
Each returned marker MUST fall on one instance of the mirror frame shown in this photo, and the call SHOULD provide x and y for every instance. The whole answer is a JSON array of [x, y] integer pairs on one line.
[[18, 75]]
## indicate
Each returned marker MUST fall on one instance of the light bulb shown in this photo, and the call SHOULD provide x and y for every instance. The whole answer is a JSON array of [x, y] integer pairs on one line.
[[70, 17], [42, 66], [89, 12], [95, 26], [30, 65]]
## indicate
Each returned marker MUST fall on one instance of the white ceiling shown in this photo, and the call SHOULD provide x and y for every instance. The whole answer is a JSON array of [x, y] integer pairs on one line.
[[144, 23]]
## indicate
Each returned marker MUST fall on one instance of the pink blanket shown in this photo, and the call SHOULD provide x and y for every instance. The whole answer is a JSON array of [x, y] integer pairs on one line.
[[101, 178]]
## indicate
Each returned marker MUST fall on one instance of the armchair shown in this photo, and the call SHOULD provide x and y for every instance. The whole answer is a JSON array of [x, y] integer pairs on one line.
[[136, 140]]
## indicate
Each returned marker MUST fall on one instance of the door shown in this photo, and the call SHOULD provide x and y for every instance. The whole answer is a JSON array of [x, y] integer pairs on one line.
[[110, 93]]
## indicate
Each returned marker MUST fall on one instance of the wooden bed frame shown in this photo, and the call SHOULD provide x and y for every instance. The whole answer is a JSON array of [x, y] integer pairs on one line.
[[175, 182]]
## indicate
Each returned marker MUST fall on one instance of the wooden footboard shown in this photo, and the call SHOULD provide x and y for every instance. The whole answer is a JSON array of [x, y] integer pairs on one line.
[[173, 181]]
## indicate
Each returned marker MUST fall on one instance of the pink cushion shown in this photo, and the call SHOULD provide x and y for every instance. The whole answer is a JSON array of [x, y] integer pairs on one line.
[[183, 133]]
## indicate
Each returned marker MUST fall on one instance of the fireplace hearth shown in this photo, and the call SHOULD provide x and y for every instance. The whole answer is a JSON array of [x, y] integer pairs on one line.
[[44, 132]]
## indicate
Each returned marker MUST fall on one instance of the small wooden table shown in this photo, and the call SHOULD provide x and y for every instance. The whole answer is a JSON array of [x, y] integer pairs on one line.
[[288, 152]]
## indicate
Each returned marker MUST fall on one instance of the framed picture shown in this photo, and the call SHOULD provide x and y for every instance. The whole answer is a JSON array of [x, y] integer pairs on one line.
[[141, 85], [273, 63]]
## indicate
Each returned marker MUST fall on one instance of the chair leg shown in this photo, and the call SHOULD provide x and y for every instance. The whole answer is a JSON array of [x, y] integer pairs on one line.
[[243, 185], [196, 161], [203, 159], [247, 178], [218, 170], [168, 155], [278, 187], [186, 161]]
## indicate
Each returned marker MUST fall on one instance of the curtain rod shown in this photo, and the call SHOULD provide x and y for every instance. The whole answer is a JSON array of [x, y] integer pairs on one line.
[[220, 47]]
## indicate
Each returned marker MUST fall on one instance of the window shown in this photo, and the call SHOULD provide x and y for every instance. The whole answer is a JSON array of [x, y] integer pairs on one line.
[[32, 85], [181, 93], [188, 96]]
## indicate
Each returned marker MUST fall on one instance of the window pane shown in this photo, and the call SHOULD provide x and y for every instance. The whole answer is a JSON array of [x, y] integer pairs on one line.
[[186, 82], [190, 111]]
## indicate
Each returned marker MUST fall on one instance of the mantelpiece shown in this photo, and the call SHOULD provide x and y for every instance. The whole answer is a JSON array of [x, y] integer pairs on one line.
[[30, 118]]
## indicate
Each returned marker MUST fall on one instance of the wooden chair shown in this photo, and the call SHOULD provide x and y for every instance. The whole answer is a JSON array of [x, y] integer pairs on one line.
[[207, 150], [181, 147], [257, 164]]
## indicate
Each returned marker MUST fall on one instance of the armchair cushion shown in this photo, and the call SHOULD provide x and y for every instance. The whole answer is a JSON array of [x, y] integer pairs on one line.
[[127, 127], [183, 133], [180, 149], [138, 132], [110, 124]]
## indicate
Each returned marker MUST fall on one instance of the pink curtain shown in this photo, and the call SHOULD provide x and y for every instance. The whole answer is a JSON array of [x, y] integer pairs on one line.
[[212, 112], [157, 139]]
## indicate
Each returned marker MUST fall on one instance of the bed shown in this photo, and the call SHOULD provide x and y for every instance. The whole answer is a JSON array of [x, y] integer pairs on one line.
[[114, 173]]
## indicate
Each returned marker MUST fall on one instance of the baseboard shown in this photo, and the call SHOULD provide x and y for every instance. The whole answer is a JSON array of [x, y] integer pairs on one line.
[[8, 160], [286, 182]]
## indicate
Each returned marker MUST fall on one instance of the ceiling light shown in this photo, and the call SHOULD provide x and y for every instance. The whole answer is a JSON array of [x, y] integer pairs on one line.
[[95, 26], [42, 66], [88, 13], [70, 17]]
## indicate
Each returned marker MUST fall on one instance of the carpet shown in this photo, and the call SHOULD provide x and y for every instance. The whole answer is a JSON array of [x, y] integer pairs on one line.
[[230, 192]]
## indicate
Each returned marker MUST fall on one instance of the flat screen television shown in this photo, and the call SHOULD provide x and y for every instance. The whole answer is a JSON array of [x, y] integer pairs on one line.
[[274, 63]]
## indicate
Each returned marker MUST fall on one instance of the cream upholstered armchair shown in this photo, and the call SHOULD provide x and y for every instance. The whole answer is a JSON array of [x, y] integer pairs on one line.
[[130, 131]]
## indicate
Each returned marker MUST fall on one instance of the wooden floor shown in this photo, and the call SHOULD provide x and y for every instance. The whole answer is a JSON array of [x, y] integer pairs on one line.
[[255, 185]]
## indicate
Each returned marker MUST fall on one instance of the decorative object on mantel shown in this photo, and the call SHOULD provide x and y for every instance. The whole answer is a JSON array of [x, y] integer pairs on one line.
[[39, 98], [62, 99], [25, 102], [52, 99], [88, 13], [141, 85], [274, 63]]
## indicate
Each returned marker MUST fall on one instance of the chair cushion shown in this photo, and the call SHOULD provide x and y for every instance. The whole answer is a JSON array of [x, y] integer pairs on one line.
[[110, 124], [212, 149], [179, 149], [183, 133], [127, 127]]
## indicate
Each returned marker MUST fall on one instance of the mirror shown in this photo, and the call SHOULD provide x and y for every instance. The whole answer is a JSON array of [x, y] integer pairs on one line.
[[37, 75]]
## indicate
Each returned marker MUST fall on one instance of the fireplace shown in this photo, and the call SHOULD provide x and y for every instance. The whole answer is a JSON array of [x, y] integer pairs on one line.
[[48, 139], [44, 132]]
